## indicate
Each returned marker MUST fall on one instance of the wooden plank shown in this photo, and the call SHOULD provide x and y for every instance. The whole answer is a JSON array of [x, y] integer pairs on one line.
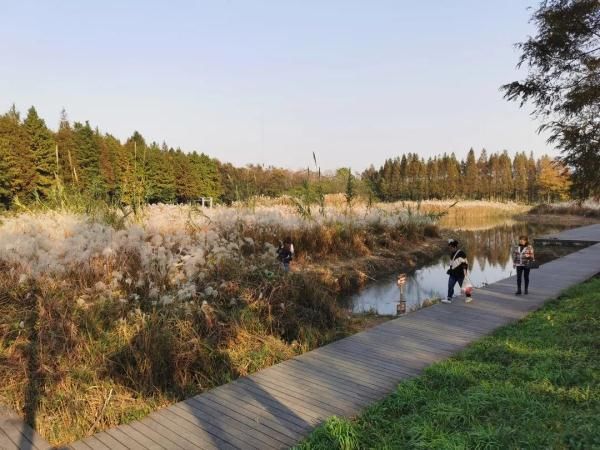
[[376, 389], [307, 388], [264, 421], [407, 357], [240, 398], [151, 430], [96, 443], [16, 430], [337, 386], [366, 373], [124, 439], [171, 432], [262, 435], [427, 337], [406, 341], [295, 399], [5, 442], [372, 375], [309, 413], [298, 416], [79, 445], [140, 438], [109, 441], [293, 381], [231, 434], [397, 370], [190, 431], [262, 416]]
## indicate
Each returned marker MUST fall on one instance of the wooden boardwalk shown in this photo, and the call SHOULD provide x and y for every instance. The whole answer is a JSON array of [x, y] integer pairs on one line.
[[577, 236], [15, 434], [278, 406]]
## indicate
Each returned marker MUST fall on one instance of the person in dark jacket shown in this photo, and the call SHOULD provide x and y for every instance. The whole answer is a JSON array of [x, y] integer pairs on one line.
[[285, 253], [458, 269]]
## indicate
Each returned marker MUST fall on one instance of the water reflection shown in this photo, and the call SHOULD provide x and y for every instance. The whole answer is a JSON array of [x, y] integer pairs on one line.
[[489, 255]]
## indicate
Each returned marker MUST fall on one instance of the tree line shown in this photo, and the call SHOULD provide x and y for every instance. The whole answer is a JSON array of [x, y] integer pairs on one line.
[[35, 161], [486, 177]]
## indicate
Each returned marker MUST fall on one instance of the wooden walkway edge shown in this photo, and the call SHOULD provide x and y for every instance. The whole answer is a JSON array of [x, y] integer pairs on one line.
[[16, 434], [277, 407]]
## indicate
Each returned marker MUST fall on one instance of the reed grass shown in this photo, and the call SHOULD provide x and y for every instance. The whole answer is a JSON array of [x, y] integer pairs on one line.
[[90, 342]]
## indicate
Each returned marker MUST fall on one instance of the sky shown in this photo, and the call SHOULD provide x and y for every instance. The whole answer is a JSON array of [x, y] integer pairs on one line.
[[272, 81]]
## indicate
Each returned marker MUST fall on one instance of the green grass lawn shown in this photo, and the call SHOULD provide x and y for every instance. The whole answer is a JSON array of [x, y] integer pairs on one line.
[[534, 384]]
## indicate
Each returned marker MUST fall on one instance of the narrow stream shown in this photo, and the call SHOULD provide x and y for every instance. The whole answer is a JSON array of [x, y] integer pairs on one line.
[[489, 255]]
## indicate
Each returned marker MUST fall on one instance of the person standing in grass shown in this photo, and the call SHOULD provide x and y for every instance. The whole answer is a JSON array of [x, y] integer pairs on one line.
[[457, 271], [285, 253], [523, 256]]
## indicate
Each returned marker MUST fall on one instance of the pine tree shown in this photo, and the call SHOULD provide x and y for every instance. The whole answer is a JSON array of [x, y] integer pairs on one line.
[[453, 181], [470, 175], [41, 145], [88, 157], [160, 176], [505, 176], [531, 179], [206, 176], [185, 186], [109, 169], [18, 156], [483, 175], [520, 176], [6, 174], [67, 154]]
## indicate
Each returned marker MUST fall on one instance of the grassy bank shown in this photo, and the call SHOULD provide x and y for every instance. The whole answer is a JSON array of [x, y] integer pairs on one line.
[[534, 384], [106, 318]]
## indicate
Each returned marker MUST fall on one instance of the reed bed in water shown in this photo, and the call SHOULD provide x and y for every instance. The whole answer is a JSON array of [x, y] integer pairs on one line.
[[106, 318]]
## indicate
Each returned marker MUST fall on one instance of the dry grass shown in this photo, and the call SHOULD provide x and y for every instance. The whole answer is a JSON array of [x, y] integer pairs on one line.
[[83, 349]]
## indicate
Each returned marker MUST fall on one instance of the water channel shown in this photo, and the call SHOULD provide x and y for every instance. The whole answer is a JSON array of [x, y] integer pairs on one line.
[[489, 254]]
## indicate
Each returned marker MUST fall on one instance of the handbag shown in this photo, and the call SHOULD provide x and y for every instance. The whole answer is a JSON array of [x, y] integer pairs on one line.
[[468, 287]]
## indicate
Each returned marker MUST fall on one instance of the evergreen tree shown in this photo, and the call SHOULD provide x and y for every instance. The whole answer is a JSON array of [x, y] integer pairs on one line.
[[18, 157], [520, 177], [160, 176], [470, 177], [110, 148], [483, 175], [531, 179], [41, 145], [88, 157], [505, 176], [67, 154], [6, 174]]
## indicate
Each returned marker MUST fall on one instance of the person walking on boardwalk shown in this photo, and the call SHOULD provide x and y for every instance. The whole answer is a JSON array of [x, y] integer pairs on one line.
[[523, 257], [457, 271]]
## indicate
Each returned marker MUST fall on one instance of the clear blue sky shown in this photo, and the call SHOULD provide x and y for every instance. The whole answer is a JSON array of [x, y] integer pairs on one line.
[[272, 81]]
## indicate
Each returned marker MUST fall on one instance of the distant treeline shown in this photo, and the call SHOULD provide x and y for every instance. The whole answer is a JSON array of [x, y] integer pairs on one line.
[[35, 161], [489, 177]]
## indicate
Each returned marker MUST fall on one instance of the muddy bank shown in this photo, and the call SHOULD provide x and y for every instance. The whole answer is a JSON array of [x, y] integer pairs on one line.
[[346, 277]]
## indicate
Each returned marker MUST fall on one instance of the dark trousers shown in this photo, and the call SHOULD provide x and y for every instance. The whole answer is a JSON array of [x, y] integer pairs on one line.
[[452, 280], [522, 272]]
